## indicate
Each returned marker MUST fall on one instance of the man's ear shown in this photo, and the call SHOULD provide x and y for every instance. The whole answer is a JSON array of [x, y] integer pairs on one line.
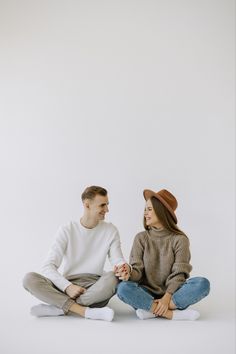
[[86, 203]]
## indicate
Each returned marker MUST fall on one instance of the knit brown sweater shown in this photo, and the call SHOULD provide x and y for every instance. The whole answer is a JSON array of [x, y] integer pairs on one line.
[[160, 260]]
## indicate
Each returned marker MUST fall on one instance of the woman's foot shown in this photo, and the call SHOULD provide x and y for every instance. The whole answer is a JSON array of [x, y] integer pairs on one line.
[[176, 315], [144, 315], [187, 315]]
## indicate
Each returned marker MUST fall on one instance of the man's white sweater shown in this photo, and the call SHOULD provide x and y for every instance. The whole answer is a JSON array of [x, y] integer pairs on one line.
[[80, 250]]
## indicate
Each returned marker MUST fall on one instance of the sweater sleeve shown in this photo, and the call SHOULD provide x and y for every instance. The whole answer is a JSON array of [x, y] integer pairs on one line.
[[136, 258], [181, 267], [115, 254], [54, 260]]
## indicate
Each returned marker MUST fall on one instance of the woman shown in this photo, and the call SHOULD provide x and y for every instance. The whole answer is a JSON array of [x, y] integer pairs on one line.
[[158, 283]]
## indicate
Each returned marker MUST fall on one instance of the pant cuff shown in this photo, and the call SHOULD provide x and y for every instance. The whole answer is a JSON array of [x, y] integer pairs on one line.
[[67, 305]]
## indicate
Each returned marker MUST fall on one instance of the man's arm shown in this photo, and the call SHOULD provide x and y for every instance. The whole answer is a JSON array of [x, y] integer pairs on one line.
[[115, 254], [120, 266], [54, 260]]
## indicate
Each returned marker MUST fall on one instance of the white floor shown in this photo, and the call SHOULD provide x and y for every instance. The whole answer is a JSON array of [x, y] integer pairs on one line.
[[213, 333]]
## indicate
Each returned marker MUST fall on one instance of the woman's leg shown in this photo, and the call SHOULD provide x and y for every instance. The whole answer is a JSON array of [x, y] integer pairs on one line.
[[139, 298], [191, 292], [135, 295]]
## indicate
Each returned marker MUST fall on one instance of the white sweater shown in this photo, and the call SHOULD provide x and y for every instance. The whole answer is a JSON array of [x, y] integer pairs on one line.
[[80, 250]]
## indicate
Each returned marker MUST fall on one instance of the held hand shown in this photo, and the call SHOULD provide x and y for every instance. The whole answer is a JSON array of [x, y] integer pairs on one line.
[[122, 271], [74, 291]]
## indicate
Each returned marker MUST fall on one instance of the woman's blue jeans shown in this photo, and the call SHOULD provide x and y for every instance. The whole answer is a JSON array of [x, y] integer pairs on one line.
[[137, 296]]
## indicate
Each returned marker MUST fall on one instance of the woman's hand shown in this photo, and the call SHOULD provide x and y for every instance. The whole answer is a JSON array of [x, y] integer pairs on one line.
[[162, 305], [122, 272]]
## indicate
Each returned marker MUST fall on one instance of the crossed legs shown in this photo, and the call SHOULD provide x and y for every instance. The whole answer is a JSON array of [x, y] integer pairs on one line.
[[99, 290], [192, 291]]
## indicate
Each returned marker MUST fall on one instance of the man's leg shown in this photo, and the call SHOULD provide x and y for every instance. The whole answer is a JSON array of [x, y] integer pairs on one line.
[[99, 290], [43, 289], [60, 303]]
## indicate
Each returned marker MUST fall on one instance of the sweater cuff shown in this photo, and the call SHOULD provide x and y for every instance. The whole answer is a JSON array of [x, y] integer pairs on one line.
[[131, 268], [64, 285], [172, 288]]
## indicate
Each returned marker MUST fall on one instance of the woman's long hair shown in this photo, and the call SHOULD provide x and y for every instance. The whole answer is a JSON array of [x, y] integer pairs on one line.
[[164, 216]]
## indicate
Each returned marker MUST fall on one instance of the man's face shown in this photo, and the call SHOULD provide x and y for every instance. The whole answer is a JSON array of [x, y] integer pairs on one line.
[[98, 207]]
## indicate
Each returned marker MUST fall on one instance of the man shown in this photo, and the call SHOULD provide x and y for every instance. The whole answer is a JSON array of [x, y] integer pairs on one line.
[[81, 287]]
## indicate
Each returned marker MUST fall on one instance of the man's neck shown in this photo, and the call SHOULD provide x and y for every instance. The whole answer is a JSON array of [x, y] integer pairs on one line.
[[88, 222]]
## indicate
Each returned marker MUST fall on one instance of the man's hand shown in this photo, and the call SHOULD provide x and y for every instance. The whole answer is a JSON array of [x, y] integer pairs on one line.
[[122, 271], [74, 291]]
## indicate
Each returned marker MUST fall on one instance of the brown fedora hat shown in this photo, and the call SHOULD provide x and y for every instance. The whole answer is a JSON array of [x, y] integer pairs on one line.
[[166, 198]]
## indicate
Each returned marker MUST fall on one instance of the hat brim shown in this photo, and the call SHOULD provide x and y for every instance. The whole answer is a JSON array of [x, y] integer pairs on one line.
[[147, 193]]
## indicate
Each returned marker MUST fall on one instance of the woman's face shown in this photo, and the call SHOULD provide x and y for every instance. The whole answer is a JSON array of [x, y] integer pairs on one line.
[[150, 215]]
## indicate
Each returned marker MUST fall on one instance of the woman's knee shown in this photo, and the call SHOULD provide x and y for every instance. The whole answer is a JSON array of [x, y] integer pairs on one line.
[[203, 285], [124, 288]]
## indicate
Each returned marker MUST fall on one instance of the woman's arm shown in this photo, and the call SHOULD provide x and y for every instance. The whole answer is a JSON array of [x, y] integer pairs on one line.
[[181, 267], [136, 258]]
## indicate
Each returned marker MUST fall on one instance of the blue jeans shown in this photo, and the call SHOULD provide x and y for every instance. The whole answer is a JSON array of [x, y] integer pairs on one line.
[[137, 296]]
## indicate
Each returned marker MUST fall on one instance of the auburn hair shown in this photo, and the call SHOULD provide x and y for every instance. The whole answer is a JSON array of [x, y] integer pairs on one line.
[[164, 216]]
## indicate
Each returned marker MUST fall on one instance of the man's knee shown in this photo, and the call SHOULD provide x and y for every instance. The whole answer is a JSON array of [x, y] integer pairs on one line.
[[111, 281], [101, 291], [29, 280]]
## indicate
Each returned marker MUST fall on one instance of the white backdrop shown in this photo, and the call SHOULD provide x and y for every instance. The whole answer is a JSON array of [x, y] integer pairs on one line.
[[124, 94]]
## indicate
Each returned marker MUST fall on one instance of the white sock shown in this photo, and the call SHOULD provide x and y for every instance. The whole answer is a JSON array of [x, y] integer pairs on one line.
[[188, 314], [144, 315], [43, 310], [103, 313]]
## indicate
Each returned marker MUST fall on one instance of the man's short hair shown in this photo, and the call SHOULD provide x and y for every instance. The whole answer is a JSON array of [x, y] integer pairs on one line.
[[92, 191]]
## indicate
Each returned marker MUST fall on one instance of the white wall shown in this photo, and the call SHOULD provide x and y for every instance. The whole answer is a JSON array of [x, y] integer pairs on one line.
[[124, 94]]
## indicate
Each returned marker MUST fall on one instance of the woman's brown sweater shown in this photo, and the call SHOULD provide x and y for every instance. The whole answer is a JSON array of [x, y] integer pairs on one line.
[[160, 260]]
